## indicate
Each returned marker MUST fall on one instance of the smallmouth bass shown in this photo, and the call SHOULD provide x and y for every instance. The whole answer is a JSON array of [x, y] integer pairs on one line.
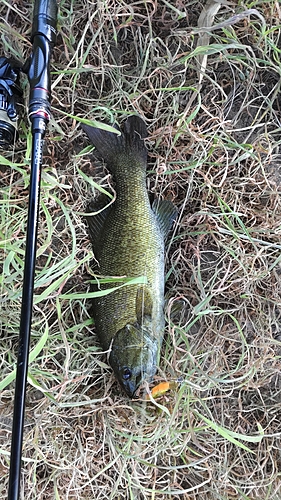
[[128, 240]]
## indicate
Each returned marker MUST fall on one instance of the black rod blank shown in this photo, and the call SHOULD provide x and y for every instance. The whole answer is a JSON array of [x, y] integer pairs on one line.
[[25, 325], [38, 70]]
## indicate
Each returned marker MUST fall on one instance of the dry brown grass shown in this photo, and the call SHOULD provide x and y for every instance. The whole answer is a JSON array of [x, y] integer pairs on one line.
[[218, 158]]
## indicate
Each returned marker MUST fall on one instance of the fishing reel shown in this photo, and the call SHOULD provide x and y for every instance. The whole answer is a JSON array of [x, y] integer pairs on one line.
[[37, 68], [10, 94]]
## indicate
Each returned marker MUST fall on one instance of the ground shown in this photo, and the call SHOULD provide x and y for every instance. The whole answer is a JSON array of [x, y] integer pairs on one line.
[[214, 150]]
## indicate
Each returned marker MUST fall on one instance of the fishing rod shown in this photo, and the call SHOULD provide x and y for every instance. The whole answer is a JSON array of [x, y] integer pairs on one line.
[[37, 68]]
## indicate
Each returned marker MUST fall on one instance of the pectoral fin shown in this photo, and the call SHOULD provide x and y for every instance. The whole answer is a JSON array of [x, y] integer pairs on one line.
[[144, 304]]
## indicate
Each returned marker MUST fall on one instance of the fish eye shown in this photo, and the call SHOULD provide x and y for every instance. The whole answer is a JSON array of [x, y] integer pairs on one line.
[[126, 373]]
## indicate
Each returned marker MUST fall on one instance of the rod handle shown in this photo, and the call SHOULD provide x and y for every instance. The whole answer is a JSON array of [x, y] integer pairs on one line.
[[45, 19]]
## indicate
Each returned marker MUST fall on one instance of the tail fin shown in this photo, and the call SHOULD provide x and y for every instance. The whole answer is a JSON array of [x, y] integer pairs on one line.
[[115, 149]]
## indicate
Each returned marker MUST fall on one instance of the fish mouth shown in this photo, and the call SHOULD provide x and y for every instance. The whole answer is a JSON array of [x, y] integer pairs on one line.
[[138, 383], [142, 381], [131, 390], [146, 376]]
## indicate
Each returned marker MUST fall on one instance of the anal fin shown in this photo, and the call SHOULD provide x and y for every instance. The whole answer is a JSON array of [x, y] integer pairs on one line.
[[98, 212]]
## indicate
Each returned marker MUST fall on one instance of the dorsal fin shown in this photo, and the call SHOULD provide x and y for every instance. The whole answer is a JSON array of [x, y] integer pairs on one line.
[[166, 214]]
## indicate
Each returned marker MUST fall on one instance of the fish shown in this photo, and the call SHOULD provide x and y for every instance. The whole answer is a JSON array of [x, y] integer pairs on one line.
[[128, 239]]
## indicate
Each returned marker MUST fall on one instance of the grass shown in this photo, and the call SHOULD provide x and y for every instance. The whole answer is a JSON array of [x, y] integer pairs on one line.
[[214, 149]]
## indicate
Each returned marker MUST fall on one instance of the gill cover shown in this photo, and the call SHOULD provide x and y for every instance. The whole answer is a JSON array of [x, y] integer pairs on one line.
[[133, 357]]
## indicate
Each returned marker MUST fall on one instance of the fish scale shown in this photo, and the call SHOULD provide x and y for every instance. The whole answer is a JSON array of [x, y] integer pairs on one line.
[[140, 254]]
